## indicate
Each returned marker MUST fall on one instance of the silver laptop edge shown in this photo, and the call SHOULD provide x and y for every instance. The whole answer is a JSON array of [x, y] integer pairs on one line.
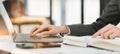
[[5, 16]]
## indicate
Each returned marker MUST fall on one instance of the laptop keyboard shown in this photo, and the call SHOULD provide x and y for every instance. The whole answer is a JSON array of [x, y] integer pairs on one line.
[[27, 38], [24, 37]]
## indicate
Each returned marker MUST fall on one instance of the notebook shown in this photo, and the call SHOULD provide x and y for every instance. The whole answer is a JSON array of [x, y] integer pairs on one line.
[[24, 38], [88, 41]]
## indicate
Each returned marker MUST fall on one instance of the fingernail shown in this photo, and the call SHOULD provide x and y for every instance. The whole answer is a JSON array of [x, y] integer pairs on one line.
[[38, 34]]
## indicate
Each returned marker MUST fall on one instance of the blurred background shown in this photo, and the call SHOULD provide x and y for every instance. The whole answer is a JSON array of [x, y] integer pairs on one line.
[[25, 14]]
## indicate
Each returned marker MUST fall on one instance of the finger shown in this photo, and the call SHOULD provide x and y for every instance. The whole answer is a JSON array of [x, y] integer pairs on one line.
[[102, 34], [112, 36], [115, 34], [115, 31], [96, 34], [106, 28], [34, 29], [45, 33], [31, 33], [37, 31], [103, 30], [107, 34]]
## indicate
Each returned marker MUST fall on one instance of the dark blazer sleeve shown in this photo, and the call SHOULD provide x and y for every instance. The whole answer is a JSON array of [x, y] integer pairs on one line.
[[110, 14]]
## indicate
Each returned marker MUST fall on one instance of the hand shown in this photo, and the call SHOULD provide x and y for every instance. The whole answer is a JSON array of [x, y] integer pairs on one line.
[[48, 30], [108, 32]]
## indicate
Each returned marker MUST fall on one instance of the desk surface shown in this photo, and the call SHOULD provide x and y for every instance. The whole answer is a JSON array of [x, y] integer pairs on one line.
[[7, 44]]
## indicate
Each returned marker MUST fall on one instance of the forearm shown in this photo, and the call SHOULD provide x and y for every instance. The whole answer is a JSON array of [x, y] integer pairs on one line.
[[81, 30]]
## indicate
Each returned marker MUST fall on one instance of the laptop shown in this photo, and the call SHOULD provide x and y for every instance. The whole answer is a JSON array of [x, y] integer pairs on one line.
[[20, 37]]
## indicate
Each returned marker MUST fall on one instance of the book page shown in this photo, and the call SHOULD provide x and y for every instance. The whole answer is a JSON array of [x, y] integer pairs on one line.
[[115, 41], [75, 41], [75, 38], [110, 44], [110, 41], [84, 41], [78, 41], [106, 45]]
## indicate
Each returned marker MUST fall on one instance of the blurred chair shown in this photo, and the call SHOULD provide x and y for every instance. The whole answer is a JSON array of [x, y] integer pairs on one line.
[[15, 9], [27, 20]]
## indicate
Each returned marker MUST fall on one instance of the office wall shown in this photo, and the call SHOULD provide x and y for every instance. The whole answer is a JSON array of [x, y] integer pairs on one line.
[[91, 11], [56, 12], [72, 10], [41, 8], [38, 8]]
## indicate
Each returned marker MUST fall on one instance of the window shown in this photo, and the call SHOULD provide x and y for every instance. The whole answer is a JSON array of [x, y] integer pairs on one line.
[[38, 8], [73, 11], [91, 11], [65, 11]]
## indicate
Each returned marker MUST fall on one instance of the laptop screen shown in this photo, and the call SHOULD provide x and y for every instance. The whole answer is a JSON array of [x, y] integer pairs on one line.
[[6, 20], [3, 27]]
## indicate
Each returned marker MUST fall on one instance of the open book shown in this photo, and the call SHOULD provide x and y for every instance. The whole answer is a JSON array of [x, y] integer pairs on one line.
[[99, 42]]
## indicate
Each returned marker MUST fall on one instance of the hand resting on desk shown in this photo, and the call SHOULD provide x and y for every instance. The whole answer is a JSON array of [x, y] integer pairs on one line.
[[110, 31], [45, 30]]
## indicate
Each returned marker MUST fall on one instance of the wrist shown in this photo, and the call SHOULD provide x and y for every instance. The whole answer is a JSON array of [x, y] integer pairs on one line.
[[64, 30]]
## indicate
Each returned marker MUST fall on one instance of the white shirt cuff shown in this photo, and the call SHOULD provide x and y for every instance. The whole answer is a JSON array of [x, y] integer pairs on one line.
[[68, 30], [118, 25]]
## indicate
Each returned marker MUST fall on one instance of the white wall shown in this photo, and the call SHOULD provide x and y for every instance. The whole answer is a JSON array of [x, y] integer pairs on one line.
[[56, 12], [73, 11], [91, 11], [38, 8]]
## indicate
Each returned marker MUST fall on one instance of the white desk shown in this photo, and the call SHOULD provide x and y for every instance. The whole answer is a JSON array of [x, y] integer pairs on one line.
[[7, 44]]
